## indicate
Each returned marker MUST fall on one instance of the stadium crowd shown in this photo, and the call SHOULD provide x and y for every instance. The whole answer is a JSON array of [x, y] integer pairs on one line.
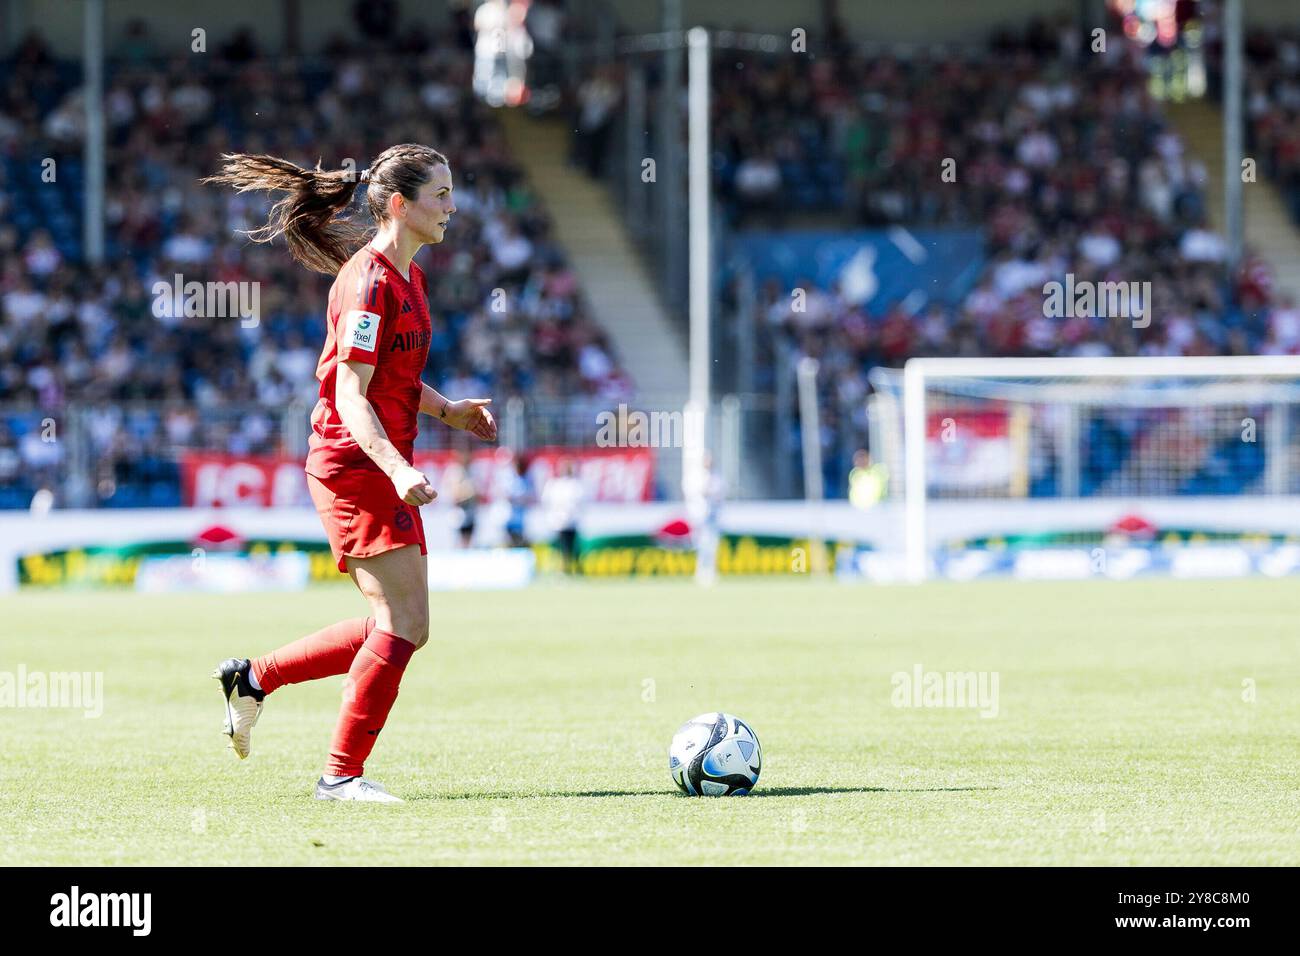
[[1064, 162], [508, 317], [1273, 109]]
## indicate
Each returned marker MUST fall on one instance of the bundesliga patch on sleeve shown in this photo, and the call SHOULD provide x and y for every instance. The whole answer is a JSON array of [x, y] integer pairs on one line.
[[360, 331]]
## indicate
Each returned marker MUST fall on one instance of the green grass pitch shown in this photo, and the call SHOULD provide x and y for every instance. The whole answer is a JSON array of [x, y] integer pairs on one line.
[[533, 729]]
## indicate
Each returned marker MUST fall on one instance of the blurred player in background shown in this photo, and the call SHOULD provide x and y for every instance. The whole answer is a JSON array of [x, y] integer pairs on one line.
[[359, 469], [562, 498], [521, 495], [464, 495], [868, 481], [704, 505]]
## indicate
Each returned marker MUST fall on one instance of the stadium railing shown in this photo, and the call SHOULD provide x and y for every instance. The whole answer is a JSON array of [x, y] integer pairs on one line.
[[132, 454]]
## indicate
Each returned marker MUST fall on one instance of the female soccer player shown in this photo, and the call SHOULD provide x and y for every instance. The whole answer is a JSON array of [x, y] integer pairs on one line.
[[359, 467]]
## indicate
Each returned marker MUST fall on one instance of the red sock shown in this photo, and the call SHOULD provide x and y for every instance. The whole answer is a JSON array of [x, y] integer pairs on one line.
[[368, 696], [327, 652]]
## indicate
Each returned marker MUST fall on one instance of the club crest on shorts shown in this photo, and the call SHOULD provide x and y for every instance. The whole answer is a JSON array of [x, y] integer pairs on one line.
[[403, 518]]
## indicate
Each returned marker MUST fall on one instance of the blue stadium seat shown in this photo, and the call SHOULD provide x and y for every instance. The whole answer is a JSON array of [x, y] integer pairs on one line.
[[13, 497]]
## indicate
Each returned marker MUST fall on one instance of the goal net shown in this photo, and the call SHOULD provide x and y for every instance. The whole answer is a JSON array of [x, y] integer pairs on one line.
[[1001, 454]]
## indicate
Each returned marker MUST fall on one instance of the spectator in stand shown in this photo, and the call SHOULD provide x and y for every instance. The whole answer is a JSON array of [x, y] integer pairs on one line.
[[598, 98]]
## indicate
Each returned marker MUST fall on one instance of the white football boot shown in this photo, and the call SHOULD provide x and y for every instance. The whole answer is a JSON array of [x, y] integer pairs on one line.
[[355, 788], [243, 704]]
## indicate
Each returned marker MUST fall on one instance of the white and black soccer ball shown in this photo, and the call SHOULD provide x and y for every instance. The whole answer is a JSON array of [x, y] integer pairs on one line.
[[715, 755]]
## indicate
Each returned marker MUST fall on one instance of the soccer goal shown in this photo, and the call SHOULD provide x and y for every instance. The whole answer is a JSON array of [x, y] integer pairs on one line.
[[1024, 452]]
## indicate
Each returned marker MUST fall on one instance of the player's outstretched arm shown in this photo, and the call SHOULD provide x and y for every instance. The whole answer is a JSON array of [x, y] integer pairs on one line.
[[468, 414]]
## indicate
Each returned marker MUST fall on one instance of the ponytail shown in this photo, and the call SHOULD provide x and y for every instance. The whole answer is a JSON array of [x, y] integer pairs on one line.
[[309, 216]]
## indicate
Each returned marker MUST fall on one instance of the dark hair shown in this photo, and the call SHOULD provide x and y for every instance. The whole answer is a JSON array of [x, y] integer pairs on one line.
[[311, 217]]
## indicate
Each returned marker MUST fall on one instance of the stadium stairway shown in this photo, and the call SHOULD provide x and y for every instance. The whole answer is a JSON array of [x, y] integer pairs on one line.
[[589, 226], [1270, 231]]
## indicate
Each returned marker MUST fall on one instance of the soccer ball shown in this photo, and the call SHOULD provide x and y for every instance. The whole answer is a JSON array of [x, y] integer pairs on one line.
[[715, 755]]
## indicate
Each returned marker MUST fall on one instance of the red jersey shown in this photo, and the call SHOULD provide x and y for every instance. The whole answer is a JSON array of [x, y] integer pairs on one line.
[[377, 317]]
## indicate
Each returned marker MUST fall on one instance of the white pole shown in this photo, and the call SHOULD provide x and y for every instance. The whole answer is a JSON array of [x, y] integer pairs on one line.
[[669, 150], [513, 433], [92, 228], [1232, 130], [700, 265], [914, 470], [729, 444], [1277, 447], [810, 431], [635, 147]]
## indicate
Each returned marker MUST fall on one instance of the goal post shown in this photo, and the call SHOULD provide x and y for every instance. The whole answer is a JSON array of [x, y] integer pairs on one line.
[[1131, 428]]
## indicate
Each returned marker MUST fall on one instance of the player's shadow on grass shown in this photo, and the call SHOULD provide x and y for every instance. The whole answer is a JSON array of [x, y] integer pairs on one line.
[[809, 791], [538, 795], [760, 792]]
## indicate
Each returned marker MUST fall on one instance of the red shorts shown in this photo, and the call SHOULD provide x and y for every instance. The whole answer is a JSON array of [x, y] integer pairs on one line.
[[363, 516]]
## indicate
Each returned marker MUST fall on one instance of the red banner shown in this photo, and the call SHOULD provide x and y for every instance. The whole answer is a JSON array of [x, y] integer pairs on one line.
[[968, 450], [263, 481]]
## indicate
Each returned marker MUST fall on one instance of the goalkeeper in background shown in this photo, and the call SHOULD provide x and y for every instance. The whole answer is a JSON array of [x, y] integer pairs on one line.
[[867, 482]]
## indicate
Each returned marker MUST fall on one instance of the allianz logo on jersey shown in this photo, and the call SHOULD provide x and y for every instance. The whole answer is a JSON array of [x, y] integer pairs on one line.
[[211, 300], [75, 908], [361, 331], [410, 341]]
